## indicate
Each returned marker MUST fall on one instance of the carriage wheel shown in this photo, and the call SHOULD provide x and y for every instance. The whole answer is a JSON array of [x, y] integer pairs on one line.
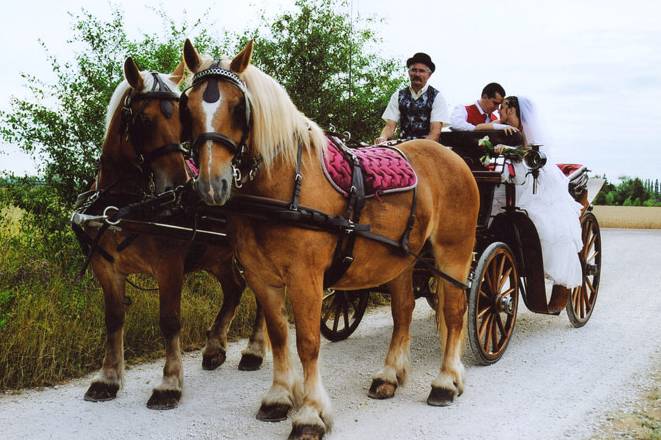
[[582, 299], [341, 313], [492, 303], [432, 295]]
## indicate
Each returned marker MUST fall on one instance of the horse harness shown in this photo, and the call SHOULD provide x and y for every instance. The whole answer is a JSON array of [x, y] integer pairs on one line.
[[142, 202], [244, 168]]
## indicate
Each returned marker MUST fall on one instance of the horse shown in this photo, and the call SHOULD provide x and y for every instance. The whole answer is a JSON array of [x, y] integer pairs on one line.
[[141, 150], [253, 142]]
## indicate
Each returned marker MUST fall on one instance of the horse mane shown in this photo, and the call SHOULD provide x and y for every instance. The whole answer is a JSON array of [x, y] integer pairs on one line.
[[117, 99], [278, 127]]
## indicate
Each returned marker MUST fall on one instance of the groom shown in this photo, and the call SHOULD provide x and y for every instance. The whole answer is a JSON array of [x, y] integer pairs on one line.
[[467, 117]]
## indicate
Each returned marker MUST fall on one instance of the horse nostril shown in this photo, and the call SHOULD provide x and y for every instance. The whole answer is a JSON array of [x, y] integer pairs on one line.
[[225, 185]]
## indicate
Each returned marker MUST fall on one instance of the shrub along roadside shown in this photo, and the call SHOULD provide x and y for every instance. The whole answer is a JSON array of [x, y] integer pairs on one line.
[[52, 325]]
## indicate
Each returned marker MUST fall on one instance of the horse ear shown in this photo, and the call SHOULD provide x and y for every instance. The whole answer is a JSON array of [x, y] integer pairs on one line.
[[132, 74], [191, 56], [178, 74], [242, 60]]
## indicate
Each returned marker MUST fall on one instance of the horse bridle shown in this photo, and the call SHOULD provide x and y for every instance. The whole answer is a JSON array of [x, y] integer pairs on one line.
[[243, 168], [133, 122]]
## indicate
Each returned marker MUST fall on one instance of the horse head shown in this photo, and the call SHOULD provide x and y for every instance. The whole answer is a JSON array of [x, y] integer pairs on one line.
[[216, 115], [143, 131]]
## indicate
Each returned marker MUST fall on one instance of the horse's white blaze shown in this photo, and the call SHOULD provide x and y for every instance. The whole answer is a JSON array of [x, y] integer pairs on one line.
[[209, 109]]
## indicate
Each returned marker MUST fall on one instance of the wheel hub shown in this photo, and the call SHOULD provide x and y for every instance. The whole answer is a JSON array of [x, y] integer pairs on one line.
[[505, 304]]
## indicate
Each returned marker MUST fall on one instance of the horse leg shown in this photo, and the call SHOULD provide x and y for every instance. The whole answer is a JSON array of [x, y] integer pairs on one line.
[[314, 418], [214, 353], [397, 361], [284, 393], [253, 355], [168, 393], [110, 378], [450, 315]]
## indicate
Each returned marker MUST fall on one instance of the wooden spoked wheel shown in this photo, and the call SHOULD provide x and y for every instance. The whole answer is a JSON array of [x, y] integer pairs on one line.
[[492, 303], [341, 313], [582, 299]]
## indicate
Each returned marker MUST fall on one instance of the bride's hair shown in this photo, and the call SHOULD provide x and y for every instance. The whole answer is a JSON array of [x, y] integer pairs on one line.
[[513, 101]]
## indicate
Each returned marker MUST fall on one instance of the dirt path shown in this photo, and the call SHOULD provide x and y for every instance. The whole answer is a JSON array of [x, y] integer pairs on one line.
[[554, 381]]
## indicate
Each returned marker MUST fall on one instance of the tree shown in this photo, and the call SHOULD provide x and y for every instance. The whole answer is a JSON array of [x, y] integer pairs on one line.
[[308, 50], [324, 61], [65, 136]]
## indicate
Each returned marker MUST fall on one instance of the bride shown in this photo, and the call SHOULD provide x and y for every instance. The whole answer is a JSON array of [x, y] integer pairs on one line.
[[551, 208]]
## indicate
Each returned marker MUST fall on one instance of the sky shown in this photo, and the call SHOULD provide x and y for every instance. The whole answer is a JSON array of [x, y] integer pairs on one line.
[[593, 68]]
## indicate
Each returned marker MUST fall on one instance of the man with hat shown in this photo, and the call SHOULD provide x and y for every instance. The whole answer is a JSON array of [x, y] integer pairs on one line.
[[419, 109]]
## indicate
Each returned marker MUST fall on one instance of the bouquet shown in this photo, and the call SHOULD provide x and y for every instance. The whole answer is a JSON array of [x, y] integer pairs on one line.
[[512, 153]]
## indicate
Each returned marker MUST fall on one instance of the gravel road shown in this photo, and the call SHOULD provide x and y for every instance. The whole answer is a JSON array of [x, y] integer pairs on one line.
[[554, 381]]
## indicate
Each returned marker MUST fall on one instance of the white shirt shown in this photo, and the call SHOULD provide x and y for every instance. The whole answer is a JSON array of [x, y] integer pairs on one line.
[[439, 108], [459, 116]]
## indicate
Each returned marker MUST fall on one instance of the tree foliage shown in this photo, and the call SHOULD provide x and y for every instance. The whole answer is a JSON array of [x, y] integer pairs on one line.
[[319, 54], [62, 124], [629, 192], [327, 62]]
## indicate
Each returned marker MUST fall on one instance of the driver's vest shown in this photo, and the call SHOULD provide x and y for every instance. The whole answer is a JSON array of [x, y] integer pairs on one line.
[[415, 114]]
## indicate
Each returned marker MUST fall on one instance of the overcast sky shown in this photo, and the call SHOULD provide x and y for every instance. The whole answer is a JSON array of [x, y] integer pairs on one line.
[[592, 67]]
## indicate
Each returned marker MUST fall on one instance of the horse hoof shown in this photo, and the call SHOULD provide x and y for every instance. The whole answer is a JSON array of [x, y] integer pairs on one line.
[[441, 397], [381, 389], [211, 362], [307, 432], [164, 399], [101, 392], [273, 413], [250, 362]]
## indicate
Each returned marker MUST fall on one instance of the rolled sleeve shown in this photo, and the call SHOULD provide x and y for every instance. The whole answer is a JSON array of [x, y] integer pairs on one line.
[[458, 119], [392, 111]]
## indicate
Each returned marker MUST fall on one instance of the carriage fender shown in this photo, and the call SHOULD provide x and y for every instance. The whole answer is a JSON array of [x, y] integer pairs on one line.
[[517, 230]]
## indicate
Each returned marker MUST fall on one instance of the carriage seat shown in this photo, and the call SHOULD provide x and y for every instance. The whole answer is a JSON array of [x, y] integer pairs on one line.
[[385, 170], [578, 178], [466, 143]]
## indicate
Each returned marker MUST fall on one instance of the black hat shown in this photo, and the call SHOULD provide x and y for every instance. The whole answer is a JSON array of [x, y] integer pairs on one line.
[[421, 58]]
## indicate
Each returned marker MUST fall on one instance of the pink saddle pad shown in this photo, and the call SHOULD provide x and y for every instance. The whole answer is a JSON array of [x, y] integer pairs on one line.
[[385, 170]]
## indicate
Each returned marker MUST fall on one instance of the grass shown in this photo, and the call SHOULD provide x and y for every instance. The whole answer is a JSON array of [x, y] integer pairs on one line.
[[635, 217], [643, 421], [52, 325]]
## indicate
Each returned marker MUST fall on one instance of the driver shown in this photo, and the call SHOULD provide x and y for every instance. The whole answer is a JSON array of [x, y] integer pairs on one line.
[[420, 109]]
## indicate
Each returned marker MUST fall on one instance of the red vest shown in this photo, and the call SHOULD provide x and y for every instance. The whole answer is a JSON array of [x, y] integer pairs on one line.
[[475, 117]]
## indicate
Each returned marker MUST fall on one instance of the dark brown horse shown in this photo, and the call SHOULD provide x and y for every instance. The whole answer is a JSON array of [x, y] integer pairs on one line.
[[240, 118], [141, 150]]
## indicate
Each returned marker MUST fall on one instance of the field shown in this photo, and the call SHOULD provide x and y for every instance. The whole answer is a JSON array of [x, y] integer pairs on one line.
[[630, 217]]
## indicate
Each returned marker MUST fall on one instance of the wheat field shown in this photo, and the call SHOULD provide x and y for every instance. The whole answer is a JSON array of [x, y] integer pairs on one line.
[[632, 217]]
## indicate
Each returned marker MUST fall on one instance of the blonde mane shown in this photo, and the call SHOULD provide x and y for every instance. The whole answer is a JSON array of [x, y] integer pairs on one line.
[[278, 127], [123, 87]]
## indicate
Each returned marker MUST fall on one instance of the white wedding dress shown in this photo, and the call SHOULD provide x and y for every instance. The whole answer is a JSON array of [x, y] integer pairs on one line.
[[553, 211]]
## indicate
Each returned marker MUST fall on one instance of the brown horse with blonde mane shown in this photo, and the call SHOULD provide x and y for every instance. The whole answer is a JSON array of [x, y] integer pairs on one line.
[[141, 149], [252, 116]]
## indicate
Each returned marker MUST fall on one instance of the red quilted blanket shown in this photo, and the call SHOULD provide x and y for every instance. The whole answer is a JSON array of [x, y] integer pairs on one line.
[[385, 170]]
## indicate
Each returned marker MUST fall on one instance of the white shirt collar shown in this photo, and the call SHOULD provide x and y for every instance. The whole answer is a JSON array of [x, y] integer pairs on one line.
[[420, 93], [482, 112]]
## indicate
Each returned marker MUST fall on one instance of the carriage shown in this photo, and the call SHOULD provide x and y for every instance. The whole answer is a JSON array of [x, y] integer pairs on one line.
[[507, 261]]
